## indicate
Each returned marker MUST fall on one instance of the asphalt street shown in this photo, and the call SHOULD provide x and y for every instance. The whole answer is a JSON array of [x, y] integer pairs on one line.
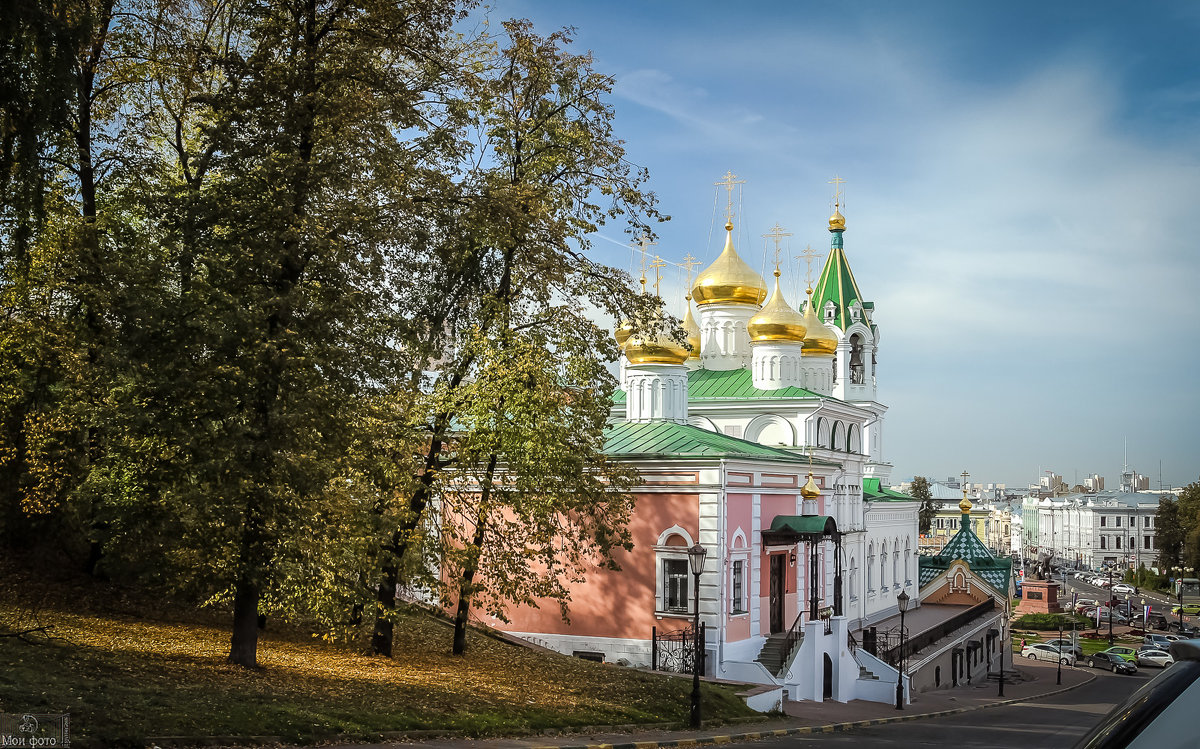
[[1051, 723]]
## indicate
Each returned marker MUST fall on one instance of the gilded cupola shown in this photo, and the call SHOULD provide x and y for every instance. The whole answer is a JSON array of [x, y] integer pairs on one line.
[[777, 321], [654, 348], [837, 222], [810, 490], [818, 339], [729, 280]]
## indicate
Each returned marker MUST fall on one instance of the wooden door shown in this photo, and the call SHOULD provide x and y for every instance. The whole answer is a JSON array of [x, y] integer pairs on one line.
[[777, 591]]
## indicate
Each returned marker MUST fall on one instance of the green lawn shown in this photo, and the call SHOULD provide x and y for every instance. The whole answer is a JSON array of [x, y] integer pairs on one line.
[[123, 678]]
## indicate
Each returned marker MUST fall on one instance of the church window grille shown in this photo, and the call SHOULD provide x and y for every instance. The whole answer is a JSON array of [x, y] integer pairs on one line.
[[675, 577], [739, 606]]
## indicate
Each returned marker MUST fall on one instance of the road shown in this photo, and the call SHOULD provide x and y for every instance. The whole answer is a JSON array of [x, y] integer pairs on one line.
[[1051, 723]]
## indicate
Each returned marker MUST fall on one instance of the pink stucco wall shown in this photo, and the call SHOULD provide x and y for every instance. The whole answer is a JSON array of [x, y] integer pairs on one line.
[[619, 604]]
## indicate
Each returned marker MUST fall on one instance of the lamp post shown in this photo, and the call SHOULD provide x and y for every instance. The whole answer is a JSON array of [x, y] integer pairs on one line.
[[902, 604], [1004, 645], [1179, 592], [1110, 606], [696, 556], [1058, 677]]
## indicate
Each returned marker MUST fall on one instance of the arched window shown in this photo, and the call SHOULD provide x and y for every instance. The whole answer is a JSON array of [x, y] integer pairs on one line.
[[835, 442], [907, 556], [854, 443], [883, 565], [853, 579], [896, 563], [870, 567], [856, 359]]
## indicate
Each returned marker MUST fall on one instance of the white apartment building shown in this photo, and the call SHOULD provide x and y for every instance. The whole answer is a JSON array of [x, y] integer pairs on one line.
[[1093, 529]]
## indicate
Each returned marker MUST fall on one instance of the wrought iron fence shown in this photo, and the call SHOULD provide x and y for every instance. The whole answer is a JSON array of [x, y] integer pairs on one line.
[[675, 650]]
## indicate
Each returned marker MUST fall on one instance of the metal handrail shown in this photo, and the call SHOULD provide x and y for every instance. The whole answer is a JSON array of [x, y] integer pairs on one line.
[[927, 637]]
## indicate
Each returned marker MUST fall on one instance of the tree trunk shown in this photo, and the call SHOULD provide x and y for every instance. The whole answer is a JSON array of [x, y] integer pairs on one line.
[[385, 595], [465, 591], [243, 645]]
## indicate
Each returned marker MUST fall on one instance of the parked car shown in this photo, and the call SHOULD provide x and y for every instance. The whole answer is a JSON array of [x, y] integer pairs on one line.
[[1155, 715], [1185, 629], [1123, 588], [1083, 604], [1128, 654], [1157, 621], [1043, 652], [1154, 657], [1102, 582], [1158, 642], [1066, 645], [1112, 662], [1190, 609]]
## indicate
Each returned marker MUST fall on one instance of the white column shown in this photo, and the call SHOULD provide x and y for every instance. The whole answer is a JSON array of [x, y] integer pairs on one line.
[[656, 392], [725, 341]]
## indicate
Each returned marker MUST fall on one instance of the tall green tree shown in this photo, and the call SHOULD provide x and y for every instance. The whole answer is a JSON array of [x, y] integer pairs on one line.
[[532, 502], [545, 171], [919, 490]]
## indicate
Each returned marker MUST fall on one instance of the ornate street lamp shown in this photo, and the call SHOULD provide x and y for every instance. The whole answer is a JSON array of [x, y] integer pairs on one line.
[[1179, 591], [902, 603], [696, 556]]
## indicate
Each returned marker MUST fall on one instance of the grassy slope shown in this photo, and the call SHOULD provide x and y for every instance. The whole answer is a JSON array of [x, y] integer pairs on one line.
[[122, 678]]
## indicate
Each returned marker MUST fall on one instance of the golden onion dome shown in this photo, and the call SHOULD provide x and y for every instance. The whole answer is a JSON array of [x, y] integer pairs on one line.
[[692, 329], [777, 321], [837, 222], [810, 490], [729, 280], [965, 505], [622, 333], [818, 339], [652, 348]]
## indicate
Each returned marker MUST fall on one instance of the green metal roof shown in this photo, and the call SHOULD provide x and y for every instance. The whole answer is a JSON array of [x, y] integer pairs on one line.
[[731, 384], [873, 490], [664, 439], [815, 524], [965, 545], [837, 285]]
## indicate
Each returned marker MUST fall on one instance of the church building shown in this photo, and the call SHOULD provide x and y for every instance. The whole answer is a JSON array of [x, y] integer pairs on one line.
[[763, 445]]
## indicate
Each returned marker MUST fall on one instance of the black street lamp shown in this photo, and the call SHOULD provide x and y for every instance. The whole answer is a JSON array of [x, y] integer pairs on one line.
[[696, 556], [1110, 606], [1179, 592], [902, 603], [1058, 677]]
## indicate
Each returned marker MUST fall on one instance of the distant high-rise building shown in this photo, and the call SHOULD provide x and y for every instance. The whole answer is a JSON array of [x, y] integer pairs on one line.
[[1094, 483]]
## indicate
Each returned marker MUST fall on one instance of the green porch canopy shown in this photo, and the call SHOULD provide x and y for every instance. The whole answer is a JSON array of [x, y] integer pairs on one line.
[[789, 529]]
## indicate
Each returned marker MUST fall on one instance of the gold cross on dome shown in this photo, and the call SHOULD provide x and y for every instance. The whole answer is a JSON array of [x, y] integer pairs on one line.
[[688, 264], [776, 234], [642, 243], [728, 181], [837, 183], [658, 263], [808, 255]]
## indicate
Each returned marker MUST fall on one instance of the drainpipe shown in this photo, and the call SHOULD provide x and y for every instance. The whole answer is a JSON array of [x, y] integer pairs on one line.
[[722, 592]]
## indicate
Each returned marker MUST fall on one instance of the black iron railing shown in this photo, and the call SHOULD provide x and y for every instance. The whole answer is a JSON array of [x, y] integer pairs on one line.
[[888, 644], [675, 650]]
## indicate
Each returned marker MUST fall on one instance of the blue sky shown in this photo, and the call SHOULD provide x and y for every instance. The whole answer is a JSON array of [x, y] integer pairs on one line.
[[1022, 198]]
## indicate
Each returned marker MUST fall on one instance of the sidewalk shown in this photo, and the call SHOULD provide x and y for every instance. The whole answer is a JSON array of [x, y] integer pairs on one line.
[[800, 717]]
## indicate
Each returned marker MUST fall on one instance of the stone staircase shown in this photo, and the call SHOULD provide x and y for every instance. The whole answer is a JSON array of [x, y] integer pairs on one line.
[[864, 673], [772, 656]]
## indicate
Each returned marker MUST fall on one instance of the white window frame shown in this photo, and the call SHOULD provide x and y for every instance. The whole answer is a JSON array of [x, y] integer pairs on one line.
[[662, 553]]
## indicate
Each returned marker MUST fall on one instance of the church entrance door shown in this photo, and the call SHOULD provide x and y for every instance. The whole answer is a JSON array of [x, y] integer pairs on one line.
[[777, 589]]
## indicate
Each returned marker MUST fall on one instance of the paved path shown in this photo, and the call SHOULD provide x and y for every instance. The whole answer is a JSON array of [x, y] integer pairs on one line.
[[805, 718]]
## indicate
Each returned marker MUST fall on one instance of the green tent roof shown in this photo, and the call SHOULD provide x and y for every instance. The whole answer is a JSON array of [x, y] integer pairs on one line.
[[732, 384], [667, 439], [837, 285]]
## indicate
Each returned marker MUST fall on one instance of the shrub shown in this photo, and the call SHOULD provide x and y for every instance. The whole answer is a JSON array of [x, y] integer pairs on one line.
[[1047, 621]]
